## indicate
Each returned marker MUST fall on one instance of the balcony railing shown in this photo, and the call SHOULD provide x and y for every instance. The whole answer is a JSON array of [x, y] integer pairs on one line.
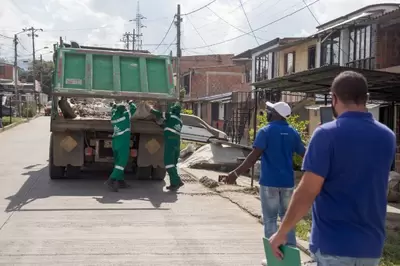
[[366, 63]]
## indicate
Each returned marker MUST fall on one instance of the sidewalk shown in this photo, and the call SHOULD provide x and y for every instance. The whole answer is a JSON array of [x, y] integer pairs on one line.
[[244, 197], [248, 200]]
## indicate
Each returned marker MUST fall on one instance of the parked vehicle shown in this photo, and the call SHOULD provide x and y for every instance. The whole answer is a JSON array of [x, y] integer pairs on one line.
[[47, 108]]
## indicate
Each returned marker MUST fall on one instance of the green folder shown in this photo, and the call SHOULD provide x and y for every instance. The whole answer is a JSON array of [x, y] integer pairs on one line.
[[291, 255]]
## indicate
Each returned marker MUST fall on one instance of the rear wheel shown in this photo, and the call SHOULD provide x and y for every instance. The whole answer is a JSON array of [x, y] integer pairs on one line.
[[144, 173], [73, 171], [158, 173], [55, 172]]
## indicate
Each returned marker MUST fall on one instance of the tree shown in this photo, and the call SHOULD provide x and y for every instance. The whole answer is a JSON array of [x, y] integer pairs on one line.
[[44, 70]]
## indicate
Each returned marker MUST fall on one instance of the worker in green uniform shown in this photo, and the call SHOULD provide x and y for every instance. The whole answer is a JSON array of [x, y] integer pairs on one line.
[[121, 122], [172, 141]]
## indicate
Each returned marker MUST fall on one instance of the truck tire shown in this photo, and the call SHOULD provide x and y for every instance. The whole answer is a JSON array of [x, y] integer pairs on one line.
[[158, 173], [73, 171], [144, 173], [55, 172]]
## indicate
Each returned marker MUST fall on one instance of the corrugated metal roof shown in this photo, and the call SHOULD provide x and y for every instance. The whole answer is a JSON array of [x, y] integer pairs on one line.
[[318, 106]]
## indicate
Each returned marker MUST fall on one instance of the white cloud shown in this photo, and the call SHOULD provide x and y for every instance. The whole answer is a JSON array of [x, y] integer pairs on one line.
[[102, 23]]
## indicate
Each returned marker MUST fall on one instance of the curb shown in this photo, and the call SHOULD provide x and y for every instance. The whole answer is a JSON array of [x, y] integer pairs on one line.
[[301, 244], [18, 123]]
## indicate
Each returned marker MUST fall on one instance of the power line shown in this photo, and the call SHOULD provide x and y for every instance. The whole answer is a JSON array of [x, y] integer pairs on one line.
[[312, 14], [194, 11], [264, 26], [233, 26], [165, 36], [166, 50], [248, 21], [199, 34], [6, 37]]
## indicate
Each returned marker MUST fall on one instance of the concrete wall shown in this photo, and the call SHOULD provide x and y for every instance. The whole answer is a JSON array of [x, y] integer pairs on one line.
[[301, 59]]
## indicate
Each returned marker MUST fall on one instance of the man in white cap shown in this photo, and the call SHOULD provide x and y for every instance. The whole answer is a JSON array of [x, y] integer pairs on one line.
[[276, 143]]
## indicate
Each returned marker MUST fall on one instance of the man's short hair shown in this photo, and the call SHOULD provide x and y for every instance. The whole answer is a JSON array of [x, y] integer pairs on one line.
[[350, 87]]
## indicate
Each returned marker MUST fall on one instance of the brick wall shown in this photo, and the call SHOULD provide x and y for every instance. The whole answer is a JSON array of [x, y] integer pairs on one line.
[[388, 46], [217, 80], [188, 62], [6, 71]]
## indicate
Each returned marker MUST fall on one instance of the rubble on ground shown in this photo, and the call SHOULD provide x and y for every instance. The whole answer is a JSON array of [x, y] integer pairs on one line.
[[208, 182], [394, 187], [214, 154]]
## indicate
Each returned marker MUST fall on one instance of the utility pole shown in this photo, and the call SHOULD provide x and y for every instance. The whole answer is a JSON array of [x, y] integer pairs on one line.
[[16, 73], [178, 49], [33, 34], [133, 40], [41, 70], [126, 38]]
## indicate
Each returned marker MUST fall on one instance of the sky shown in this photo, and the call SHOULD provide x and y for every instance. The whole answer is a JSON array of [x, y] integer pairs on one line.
[[103, 22]]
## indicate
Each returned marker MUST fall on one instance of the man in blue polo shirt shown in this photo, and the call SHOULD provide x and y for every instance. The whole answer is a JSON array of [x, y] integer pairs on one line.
[[276, 143], [346, 166]]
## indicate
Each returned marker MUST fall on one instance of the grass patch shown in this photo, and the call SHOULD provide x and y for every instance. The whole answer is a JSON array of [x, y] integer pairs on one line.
[[303, 228], [6, 120], [391, 251]]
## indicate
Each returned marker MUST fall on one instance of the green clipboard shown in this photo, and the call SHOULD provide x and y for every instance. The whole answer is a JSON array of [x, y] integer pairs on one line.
[[291, 255]]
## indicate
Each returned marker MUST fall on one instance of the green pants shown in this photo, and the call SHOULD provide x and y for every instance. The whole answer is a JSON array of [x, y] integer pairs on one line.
[[120, 146], [171, 155]]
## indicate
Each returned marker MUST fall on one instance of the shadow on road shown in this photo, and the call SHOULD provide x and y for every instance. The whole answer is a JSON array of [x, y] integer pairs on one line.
[[40, 186]]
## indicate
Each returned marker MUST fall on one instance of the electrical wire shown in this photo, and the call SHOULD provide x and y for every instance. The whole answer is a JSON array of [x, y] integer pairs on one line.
[[248, 22], [259, 28], [190, 21], [315, 18], [170, 45], [233, 26], [6, 37], [312, 14], [196, 10], [165, 36]]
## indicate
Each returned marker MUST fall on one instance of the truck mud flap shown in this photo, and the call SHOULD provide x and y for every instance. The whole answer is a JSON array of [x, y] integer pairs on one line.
[[151, 150], [68, 148]]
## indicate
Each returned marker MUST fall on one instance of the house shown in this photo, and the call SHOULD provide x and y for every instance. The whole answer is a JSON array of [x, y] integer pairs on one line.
[[212, 84], [366, 40], [6, 71]]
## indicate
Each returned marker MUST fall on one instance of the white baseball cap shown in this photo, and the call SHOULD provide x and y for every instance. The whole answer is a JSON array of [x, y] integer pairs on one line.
[[281, 108]]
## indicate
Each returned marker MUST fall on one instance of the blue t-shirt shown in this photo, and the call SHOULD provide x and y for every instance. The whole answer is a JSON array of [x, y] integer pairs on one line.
[[279, 142], [353, 154]]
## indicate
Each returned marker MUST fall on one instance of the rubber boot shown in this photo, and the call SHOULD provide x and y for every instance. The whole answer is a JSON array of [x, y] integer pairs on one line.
[[176, 187], [123, 184], [112, 185]]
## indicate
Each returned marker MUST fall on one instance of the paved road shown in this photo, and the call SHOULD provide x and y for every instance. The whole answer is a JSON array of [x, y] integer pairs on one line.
[[77, 222]]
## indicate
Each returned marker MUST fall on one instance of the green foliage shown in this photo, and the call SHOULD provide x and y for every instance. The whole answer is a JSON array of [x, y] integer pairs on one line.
[[187, 111], [6, 120], [182, 94], [300, 126], [28, 110]]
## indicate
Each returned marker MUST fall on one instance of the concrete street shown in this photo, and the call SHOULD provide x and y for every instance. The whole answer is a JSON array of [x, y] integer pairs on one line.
[[78, 222]]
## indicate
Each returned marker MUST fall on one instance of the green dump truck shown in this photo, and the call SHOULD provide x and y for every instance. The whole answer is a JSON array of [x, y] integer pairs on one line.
[[80, 142]]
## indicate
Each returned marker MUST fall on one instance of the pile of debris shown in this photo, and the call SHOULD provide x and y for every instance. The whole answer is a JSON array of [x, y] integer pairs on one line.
[[96, 108]]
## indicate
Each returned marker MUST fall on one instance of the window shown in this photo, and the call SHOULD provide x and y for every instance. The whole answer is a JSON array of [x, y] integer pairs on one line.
[[311, 56], [2, 70], [360, 47], [330, 49], [262, 67], [290, 63]]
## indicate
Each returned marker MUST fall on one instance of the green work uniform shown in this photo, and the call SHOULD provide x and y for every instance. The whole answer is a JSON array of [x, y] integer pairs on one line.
[[121, 122], [172, 141]]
